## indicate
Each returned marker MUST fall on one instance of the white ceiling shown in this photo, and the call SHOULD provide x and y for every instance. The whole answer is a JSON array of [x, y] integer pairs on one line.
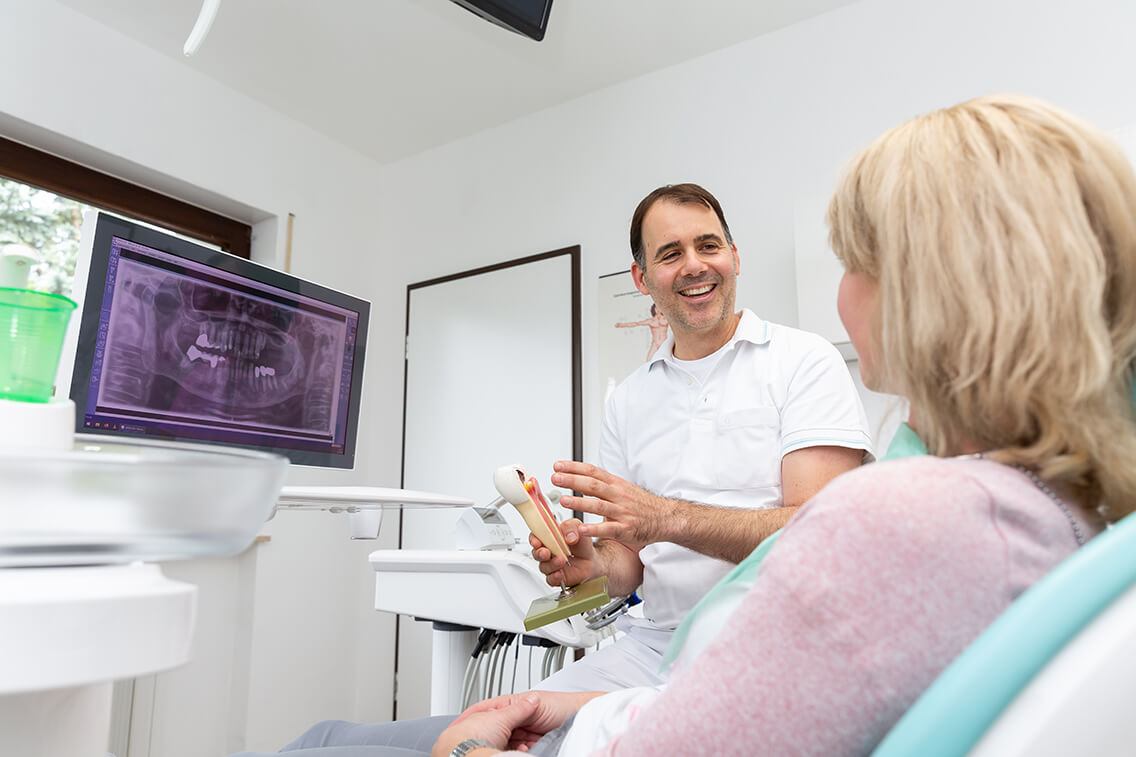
[[391, 78]]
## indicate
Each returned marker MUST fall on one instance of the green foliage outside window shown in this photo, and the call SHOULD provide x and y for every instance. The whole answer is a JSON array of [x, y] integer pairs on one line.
[[48, 225]]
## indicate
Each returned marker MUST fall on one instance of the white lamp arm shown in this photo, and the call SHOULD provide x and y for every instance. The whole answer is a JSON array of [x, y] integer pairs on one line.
[[201, 28]]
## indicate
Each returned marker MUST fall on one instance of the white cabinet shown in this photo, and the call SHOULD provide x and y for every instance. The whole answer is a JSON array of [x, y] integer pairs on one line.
[[287, 635]]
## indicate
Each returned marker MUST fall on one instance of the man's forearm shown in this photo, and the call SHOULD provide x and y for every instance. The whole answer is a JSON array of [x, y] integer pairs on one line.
[[726, 534]]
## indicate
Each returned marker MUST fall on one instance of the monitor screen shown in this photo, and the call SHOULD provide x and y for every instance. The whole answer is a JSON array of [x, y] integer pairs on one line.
[[182, 342], [527, 17]]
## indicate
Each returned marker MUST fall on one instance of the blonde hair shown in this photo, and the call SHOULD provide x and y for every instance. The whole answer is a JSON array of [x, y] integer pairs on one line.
[[1002, 234]]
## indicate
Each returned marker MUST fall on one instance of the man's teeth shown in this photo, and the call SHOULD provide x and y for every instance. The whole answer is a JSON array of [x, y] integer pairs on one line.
[[695, 291]]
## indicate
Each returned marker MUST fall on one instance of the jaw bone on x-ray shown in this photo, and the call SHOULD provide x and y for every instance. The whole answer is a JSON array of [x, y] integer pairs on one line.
[[190, 349]]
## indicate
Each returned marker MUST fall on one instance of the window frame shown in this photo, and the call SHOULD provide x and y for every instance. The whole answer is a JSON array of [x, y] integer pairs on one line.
[[43, 170]]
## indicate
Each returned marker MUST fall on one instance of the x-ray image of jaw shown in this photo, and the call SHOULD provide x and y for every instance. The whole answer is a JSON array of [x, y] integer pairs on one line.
[[194, 349]]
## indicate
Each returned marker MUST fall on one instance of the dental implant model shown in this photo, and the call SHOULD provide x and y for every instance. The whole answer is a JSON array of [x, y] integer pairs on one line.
[[523, 492]]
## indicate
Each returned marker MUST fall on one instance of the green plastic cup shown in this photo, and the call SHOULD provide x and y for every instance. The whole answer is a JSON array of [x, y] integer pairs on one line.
[[32, 327]]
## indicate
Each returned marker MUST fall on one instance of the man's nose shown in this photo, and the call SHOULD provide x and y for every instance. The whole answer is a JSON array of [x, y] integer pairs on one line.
[[692, 263]]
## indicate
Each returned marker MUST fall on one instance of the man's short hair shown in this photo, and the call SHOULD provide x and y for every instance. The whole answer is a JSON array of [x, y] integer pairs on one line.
[[677, 193]]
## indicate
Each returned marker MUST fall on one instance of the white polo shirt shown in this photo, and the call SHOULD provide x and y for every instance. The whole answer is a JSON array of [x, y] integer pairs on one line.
[[720, 441]]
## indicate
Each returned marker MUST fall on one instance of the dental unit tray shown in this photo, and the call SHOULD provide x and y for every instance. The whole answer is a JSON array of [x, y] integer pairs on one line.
[[105, 502]]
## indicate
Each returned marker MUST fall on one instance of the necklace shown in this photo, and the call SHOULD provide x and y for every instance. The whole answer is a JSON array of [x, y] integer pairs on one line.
[[1044, 487], [1056, 500]]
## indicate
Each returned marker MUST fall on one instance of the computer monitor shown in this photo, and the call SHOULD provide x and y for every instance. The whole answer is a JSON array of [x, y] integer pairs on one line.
[[526, 17], [181, 342]]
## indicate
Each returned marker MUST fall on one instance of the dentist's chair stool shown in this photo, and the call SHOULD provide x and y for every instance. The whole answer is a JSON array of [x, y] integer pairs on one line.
[[1054, 675]]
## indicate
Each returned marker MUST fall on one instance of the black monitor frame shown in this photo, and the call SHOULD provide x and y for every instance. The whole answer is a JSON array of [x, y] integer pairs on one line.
[[106, 229], [501, 13]]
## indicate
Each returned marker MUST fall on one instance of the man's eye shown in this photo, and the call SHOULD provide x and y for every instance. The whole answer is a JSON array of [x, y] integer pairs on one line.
[[711, 247]]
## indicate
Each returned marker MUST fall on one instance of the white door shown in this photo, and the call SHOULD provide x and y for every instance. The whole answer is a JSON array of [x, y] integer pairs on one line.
[[492, 378]]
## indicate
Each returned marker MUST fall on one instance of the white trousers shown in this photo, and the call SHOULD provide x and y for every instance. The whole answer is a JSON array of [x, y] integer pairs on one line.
[[632, 660]]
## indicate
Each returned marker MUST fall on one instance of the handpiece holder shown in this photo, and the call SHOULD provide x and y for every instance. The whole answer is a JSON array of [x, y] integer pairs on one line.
[[484, 528]]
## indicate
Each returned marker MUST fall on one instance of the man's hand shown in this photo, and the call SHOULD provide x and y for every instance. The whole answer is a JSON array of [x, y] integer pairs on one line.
[[584, 564], [632, 516]]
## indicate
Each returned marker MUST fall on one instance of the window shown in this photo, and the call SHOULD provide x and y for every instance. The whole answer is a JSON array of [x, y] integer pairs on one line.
[[46, 227], [43, 197]]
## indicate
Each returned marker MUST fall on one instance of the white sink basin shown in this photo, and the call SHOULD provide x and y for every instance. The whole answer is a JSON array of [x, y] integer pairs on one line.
[[106, 502]]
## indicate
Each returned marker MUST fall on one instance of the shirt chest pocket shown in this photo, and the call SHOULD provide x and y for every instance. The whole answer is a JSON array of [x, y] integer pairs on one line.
[[747, 448]]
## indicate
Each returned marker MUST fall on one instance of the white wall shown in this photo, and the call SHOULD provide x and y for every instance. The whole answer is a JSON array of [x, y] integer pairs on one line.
[[766, 125]]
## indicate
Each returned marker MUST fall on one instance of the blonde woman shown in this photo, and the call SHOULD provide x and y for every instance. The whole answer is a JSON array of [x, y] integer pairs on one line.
[[990, 256]]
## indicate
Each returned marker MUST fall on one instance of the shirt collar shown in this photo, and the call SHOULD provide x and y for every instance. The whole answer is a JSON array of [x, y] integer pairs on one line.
[[750, 328]]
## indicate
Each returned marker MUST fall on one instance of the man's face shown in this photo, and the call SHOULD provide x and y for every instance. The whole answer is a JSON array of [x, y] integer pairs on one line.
[[691, 270]]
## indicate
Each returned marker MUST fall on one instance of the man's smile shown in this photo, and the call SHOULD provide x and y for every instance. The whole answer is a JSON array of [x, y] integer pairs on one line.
[[697, 290]]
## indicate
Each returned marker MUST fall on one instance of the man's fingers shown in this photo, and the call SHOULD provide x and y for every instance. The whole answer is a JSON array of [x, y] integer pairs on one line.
[[578, 483], [581, 469], [570, 530], [606, 530], [592, 505], [554, 578], [550, 566]]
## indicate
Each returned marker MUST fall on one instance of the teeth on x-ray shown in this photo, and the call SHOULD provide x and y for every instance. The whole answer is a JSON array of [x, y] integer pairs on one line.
[[241, 342], [195, 354]]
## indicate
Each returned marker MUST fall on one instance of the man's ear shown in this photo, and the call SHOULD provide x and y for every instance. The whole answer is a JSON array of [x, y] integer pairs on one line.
[[737, 260], [637, 276]]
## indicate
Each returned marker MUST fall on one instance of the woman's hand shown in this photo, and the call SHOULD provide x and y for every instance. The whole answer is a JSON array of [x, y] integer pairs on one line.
[[495, 724], [513, 721]]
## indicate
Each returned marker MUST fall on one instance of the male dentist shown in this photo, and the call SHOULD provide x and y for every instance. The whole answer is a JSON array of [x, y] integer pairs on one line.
[[707, 449]]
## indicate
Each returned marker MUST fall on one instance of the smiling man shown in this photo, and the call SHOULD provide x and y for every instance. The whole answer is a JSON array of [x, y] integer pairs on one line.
[[707, 449]]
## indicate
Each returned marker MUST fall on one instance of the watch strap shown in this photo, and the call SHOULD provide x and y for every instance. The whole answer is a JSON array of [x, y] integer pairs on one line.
[[467, 746]]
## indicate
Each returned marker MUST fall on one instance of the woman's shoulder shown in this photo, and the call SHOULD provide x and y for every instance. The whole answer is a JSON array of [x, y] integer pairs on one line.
[[927, 470], [922, 488], [895, 518]]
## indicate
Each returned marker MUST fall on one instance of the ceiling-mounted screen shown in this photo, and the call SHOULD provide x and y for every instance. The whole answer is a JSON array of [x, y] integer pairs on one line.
[[527, 17], [182, 342]]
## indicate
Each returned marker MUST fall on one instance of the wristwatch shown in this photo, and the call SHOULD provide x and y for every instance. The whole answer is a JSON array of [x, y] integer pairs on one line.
[[467, 746]]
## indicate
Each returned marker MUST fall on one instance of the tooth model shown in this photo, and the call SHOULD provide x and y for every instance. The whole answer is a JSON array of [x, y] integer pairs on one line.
[[523, 492]]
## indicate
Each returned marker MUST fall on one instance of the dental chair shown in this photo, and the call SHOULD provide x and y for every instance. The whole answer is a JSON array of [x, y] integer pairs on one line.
[[1054, 675]]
